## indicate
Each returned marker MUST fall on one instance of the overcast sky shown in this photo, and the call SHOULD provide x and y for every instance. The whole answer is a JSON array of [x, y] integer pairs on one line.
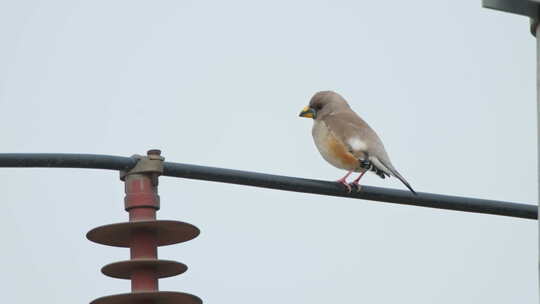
[[448, 86]]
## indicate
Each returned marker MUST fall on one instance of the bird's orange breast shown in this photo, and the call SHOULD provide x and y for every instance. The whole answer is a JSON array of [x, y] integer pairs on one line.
[[332, 149], [340, 151]]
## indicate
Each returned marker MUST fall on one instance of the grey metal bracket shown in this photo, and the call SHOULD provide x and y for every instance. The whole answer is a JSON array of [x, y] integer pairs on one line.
[[150, 164]]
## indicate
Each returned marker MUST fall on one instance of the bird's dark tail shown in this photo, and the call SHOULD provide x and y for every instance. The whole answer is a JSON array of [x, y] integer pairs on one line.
[[397, 175], [404, 181]]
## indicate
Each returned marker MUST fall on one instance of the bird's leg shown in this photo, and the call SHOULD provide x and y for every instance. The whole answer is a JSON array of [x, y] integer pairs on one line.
[[343, 181], [366, 165], [356, 182]]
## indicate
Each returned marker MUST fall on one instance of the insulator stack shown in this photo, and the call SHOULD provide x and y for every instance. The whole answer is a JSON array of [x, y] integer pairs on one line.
[[143, 234]]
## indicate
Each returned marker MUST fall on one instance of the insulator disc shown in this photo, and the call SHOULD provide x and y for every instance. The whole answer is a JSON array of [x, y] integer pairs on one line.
[[151, 297], [163, 268], [167, 232]]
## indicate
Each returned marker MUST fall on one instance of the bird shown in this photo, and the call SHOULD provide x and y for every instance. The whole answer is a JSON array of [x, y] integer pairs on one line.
[[346, 141]]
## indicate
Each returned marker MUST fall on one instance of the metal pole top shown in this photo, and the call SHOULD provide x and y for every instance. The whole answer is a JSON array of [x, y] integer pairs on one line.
[[528, 8]]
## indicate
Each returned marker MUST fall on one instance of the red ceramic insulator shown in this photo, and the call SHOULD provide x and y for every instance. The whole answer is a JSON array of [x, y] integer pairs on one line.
[[141, 202], [143, 234]]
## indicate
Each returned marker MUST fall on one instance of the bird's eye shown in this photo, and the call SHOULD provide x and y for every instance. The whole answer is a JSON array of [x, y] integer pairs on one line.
[[318, 107]]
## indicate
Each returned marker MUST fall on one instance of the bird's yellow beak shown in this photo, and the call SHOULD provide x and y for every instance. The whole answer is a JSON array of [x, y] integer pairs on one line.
[[308, 112]]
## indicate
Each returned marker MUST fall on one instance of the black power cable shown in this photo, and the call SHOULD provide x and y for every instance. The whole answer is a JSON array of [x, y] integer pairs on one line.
[[278, 182]]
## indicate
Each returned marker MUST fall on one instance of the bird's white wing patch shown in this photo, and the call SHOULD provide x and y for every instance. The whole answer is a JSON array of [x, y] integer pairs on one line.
[[357, 144]]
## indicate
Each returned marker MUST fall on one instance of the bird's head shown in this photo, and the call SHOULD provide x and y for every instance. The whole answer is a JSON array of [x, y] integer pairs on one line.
[[322, 104]]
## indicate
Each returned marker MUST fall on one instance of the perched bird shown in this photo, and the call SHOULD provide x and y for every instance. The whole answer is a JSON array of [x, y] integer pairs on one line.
[[346, 141]]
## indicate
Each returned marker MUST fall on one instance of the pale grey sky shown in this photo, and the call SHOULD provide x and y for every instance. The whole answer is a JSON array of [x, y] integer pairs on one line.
[[448, 86]]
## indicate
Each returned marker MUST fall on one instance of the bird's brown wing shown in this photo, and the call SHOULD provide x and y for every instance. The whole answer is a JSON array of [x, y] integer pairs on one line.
[[347, 125]]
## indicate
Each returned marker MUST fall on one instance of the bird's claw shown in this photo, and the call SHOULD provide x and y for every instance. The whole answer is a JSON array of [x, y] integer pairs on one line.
[[344, 183], [356, 185]]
